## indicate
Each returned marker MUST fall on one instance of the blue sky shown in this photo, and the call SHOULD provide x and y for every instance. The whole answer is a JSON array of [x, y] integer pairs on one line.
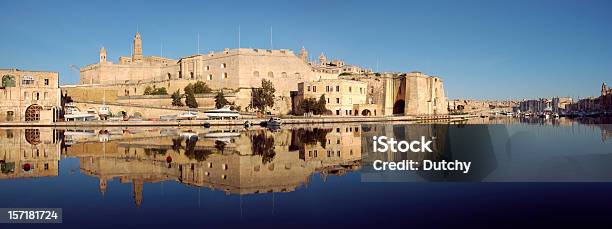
[[482, 49]]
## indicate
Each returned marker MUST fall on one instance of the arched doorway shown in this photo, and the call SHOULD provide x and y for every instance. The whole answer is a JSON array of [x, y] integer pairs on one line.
[[398, 107], [366, 112], [32, 113]]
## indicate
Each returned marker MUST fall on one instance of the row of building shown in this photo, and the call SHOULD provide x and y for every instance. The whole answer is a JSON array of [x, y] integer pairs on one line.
[[241, 70], [600, 104], [36, 96]]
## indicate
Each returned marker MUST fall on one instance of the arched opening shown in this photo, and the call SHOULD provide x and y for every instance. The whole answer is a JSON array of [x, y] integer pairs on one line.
[[32, 113], [398, 107], [366, 112], [32, 136], [271, 74], [169, 76], [255, 74]]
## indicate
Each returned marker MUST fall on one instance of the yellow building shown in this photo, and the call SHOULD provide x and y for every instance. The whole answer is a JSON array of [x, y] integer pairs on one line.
[[29, 96], [343, 97]]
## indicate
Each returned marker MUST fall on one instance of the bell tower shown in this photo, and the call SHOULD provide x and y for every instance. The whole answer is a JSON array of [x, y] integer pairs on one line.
[[304, 54], [137, 52], [102, 55], [604, 89]]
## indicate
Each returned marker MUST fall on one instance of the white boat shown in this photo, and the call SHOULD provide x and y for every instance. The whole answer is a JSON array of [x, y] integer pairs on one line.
[[188, 115], [221, 113], [275, 121], [73, 114]]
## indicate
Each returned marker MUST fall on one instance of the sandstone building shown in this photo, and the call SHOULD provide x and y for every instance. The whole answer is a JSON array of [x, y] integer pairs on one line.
[[238, 71], [29, 96]]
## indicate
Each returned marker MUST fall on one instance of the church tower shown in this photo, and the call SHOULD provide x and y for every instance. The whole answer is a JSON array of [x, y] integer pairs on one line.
[[322, 58], [102, 55], [137, 52], [604, 89], [304, 54]]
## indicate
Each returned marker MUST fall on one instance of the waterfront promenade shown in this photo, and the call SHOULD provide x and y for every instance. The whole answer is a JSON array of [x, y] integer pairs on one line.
[[253, 121]]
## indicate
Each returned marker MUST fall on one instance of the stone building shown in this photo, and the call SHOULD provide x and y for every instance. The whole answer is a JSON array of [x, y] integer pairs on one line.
[[238, 70], [413, 93], [29, 96], [343, 97]]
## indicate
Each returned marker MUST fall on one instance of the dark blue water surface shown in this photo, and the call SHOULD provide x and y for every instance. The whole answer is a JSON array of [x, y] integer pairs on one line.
[[123, 177]]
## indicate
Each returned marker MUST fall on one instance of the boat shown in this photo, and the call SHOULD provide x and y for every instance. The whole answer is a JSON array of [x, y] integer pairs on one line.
[[274, 121], [190, 115], [73, 114], [221, 113]]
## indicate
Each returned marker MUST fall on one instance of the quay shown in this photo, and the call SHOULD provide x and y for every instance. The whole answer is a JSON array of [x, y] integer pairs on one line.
[[234, 122]]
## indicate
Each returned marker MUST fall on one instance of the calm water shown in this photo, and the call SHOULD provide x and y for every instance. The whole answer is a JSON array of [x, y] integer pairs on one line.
[[302, 176]]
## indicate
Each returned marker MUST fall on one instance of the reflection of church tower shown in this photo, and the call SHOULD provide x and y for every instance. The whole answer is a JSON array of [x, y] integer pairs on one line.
[[304, 54], [102, 185], [137, 183], [604, 89], [137, 52], [322, 58], [102, 55]]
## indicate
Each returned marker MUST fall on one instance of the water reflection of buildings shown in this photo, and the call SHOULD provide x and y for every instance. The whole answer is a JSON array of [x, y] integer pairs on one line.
[[249, 162], [27, 153]]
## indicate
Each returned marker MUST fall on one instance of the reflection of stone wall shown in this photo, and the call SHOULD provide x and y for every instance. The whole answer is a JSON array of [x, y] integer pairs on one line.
[[28, 153]]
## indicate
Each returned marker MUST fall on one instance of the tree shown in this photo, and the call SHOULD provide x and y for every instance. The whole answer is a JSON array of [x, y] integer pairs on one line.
[[155, 91], [263, 97], [188, 88], [176, 99], [148, 90], [220, 100], [314, 106], [190, 101], [321, 108], [201, 88]]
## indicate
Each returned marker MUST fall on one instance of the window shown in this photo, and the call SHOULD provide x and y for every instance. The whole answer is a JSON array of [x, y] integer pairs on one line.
[[209, 77], [225, 75], [314, 88], [308, 88], [8, 81], [46, 95], [271, 74], [10, 115], [337, 112], [25, 95], [46, 82], [350, 89], [337, 88], [338, 100], [284, 74], [207, 68], [223, 65], [191, 75], [27, 80], [255, 74]]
